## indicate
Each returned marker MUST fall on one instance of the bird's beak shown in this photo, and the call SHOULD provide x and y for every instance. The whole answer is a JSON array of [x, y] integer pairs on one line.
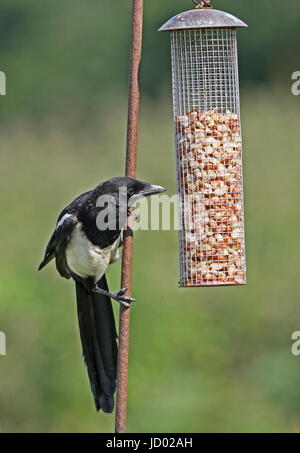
[[145, 191], [151, 189]]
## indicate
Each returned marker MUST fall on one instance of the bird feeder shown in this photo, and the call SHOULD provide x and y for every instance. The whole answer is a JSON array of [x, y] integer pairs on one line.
[[208, 146]]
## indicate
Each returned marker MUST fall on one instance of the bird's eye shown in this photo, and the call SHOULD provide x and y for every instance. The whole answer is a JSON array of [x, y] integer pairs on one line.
[[131, 191]]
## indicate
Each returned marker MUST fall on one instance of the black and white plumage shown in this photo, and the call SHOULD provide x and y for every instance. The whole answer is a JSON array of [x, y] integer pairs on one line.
[[83, 252]]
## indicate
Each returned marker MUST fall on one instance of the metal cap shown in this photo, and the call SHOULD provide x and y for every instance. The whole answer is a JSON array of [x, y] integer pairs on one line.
[[202, 18]]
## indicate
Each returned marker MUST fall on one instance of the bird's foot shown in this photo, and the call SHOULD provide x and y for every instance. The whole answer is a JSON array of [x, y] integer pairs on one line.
[[123, 300], [119, 296]]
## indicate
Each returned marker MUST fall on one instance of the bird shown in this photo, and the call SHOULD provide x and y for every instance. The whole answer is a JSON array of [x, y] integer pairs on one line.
[[86, 240]]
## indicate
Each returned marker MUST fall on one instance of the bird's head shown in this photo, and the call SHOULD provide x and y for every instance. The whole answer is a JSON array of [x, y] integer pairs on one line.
[[130, 189]]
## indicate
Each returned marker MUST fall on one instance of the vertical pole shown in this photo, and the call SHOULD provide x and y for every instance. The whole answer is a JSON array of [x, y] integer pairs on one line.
[[131, 157]]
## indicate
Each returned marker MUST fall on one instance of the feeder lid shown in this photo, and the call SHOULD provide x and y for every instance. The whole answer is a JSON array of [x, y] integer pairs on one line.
[[202, 18]]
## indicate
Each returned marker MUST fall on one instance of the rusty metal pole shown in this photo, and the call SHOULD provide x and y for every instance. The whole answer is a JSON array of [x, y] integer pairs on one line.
[[131, 157]]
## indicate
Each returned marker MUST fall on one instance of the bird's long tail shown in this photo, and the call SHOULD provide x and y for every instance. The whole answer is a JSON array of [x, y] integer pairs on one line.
[[99, 343]]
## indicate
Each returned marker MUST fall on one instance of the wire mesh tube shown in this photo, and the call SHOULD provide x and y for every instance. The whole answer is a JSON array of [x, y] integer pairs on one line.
[[209, 156]]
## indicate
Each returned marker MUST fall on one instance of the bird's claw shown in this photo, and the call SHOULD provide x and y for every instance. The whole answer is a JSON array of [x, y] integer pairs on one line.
[[123, 300]]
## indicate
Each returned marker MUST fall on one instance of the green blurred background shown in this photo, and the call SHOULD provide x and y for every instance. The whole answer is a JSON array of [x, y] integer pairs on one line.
[[202, 360]]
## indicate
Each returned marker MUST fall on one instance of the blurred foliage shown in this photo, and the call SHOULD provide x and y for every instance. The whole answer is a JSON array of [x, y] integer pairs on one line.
[[203, 360], [66, 56]]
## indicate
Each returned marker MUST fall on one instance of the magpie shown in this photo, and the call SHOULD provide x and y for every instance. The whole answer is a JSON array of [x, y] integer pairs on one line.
[[86, 240]]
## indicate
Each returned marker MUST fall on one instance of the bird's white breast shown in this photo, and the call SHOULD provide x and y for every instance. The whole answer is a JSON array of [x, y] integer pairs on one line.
[[86, 259]]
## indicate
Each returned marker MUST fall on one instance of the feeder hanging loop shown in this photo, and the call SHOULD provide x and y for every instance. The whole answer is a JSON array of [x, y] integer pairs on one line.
[[203, 4]]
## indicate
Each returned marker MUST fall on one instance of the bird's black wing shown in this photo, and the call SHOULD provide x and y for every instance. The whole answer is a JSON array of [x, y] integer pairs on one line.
[[63, 235], [72, 209], [58, 243], [50, 252]]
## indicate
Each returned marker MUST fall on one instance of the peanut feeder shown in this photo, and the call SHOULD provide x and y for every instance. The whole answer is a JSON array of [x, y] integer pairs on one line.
[[208, 147]]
